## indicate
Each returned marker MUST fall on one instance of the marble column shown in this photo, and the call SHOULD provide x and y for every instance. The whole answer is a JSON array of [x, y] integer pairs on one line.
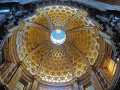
[[95, 81], [80, 86], [75, 86], [7, 70], [35, 85], [29, 86], [14, 78]]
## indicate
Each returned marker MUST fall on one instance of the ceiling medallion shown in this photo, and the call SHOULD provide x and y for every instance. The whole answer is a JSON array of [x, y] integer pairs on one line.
[[58, 37]]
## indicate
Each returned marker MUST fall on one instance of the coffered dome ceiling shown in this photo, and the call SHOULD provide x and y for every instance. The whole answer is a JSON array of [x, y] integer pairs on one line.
[[59, 63]]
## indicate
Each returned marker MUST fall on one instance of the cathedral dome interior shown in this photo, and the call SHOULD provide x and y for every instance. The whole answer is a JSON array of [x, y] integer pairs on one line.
[[59, 45]]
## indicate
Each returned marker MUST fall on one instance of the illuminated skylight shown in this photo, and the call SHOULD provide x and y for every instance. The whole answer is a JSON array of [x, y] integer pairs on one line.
[[58, 37]]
